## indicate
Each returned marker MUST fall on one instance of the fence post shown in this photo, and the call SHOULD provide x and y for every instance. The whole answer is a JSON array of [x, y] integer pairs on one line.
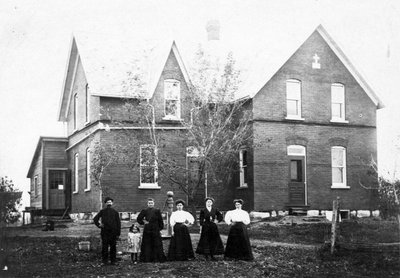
[[335, 223]]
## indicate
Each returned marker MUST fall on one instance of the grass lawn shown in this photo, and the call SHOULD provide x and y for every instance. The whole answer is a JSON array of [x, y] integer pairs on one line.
[[60, 257]]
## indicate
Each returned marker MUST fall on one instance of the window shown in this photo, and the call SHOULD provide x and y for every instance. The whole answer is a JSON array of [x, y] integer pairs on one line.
[[293, 99], [56, 179], [75, 111], [35, 185], [243, 167], [76, 174], [338, 167], [337, 99], [296, 170], [88, 160], [148, 166], [87, 103], [172, 92]]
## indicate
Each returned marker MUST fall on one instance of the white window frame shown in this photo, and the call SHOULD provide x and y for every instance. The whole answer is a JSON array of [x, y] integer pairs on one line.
[[338, 100], [343, 167], [296, 98], [149, 185], [87, 95], [242, 167], [177, 98], [88, 161], [35, 185], [75, 111], [76, 173]]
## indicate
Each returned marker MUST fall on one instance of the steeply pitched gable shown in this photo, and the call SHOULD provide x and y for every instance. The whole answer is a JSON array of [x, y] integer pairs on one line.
[[127, 69], [267, 65]]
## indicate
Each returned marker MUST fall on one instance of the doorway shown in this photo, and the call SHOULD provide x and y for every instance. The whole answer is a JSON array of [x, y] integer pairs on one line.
[[297, 176]]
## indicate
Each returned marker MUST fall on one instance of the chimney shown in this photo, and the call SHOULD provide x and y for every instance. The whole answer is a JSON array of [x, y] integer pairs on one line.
[[212, 28]]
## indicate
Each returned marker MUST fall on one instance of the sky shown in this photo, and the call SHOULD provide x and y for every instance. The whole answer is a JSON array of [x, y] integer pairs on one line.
[[35, 38]]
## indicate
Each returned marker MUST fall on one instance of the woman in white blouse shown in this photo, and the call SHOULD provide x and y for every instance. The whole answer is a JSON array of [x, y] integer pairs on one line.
[[238, 243], [180, 247]]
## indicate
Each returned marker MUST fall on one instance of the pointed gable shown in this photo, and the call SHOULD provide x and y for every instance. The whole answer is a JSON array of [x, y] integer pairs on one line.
[[269, 62], [129, 69]]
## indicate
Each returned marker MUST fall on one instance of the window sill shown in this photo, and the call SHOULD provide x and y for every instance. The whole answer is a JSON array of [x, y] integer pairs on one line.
[[242, 187], [172, 119], [339, 187], [155, 186], [294, 118], [87, 190], [75, 192], [340, 121], [87, 123]]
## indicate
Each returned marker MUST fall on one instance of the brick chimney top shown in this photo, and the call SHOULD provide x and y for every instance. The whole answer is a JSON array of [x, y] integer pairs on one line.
[[212, 28]]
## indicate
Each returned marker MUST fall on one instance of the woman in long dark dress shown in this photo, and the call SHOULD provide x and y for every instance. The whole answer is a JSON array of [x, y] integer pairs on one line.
[[210, 243], [151, 249], [180, 247], [238, 243]]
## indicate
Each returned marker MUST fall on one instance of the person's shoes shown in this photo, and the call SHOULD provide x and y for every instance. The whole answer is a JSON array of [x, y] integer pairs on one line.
[[5, 268], [135, 262]]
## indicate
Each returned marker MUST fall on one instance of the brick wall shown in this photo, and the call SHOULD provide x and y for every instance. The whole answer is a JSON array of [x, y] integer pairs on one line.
[[316, 132]]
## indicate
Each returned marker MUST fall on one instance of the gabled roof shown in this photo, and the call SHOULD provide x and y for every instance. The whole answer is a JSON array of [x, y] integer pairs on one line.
[[38, 149], [108, 66], [108, 59], [268, 62]]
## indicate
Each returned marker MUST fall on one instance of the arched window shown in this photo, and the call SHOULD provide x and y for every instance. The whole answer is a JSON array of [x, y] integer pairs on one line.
[[338, 167], [75, 111], [293, 99], [88, 161], [338, 102], [87, 96], [172, 99], [76, 173], [243, 167], [148, 166]]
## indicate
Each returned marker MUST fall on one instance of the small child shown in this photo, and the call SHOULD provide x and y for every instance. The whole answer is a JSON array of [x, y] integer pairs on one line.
[[134, 239]]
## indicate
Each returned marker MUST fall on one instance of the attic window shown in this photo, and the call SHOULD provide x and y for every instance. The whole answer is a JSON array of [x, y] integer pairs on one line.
[[172, 90], [293, 99]]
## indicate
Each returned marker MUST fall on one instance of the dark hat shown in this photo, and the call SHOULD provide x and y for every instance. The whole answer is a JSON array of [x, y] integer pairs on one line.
[[238, 201], [180, 201], [108, 199], [209, 198]]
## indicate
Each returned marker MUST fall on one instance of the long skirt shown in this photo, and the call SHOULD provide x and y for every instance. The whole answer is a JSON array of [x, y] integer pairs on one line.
[[180, 247], [152, 247], [238, 244], [210, 242]]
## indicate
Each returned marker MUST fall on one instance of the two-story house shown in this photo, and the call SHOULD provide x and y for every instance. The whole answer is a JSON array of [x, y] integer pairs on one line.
[[313, 109]]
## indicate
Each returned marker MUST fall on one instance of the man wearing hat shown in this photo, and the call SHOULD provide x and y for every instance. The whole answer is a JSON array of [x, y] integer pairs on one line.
[[110, 230]]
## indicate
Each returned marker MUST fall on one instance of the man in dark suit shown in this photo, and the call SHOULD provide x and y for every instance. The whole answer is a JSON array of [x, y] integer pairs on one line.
[[110, 230]]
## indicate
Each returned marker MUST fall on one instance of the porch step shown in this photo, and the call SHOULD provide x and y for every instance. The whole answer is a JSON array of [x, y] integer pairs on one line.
[[297, 209]]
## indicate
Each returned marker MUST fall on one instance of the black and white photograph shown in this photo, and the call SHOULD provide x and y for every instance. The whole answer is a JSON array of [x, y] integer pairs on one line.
[[189, 138]]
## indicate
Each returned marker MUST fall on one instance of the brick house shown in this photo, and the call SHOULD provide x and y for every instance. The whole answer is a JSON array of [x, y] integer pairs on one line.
[[312, 107]]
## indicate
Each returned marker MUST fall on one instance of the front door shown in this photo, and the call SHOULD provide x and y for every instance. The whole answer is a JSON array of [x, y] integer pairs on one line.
[[56, 189], [297, 181]]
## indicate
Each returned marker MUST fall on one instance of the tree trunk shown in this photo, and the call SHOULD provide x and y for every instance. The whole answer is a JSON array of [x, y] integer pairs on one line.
[[192, 208]]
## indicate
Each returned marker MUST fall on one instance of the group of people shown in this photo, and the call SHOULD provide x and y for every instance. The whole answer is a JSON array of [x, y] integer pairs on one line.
[[149, 243]]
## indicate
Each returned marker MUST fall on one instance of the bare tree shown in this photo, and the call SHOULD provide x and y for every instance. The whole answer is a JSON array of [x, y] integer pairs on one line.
[[102, 156], [388, 189], [218, 127]]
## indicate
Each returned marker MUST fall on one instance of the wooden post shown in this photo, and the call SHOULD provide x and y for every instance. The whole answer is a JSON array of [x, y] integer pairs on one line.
[[335, 223]]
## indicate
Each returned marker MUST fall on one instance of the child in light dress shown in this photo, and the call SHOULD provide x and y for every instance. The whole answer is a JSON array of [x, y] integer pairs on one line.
[[134, 240]]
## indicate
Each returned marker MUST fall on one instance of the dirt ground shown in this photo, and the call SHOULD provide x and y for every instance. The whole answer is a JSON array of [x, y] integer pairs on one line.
[[291, 248]]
